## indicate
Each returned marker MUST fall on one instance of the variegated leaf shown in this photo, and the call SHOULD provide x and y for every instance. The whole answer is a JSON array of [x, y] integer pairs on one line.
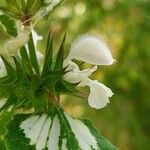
[[57, 132]]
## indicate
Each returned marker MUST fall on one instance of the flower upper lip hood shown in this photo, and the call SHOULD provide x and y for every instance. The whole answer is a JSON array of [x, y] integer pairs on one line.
[[93, 51]]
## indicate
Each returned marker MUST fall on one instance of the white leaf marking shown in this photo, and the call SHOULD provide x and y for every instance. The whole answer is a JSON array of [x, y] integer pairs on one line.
[[42, 139], [82, 134], [54, 135]]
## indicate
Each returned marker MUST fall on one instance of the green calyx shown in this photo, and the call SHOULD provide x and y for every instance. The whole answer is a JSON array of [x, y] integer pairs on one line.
[[31, 85]]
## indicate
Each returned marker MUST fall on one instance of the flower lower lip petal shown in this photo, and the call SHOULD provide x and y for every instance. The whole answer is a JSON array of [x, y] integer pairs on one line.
[[99, 94]]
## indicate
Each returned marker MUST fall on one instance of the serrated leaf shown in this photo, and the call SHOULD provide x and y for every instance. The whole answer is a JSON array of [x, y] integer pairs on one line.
[[19, 142], [9, 25], [5, 117], [60, 131]]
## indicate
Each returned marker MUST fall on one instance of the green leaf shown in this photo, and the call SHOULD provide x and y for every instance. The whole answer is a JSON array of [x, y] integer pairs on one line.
[[48, 55], [34, 5], [5, 117], [12, 100], [37, 95], [12, 8], [60, 55], [2, 144], [53, 77], [102, 142], [32, 52], [15, 139], [57, 131], [29, 3], [25, 60], [65, 87], [23, 5], [8, 24], [19, 69]]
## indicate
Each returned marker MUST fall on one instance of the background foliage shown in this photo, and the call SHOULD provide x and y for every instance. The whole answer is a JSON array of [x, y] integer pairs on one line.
[[125, 26]]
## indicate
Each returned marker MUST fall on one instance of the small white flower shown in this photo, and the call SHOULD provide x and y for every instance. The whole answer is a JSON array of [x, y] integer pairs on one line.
[[91, 50]]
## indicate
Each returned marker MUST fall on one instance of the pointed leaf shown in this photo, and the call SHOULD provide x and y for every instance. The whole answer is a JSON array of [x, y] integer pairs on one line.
[[32, 52], [15, 139], [48, 55], [53, 76], [60, 55], [25, 60], [19, 69]]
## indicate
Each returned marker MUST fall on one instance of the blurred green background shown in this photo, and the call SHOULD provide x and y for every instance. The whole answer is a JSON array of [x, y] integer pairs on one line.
[[125, 26]]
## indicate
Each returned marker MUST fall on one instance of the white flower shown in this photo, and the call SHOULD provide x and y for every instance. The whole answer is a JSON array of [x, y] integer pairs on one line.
[[93, 51]]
